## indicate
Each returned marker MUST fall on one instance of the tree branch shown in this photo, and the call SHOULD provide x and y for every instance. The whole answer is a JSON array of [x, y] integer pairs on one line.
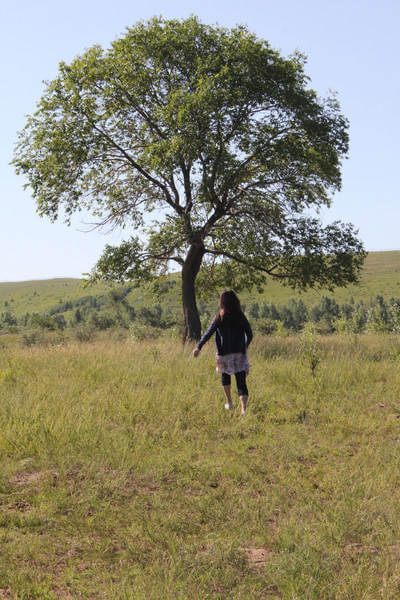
[[143, 113], [245, 262], [162, 256], [136, 165]]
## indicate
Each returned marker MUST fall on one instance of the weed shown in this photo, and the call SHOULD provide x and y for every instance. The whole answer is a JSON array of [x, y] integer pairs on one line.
[[280, 330], [311, 350], [10, 370]]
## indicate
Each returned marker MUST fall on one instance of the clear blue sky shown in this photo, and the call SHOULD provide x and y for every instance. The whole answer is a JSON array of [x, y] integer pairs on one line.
[[352, 47]]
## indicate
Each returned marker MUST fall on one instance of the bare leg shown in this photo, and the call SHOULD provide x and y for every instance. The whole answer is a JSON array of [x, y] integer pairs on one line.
[[227, 390], [243, 401]]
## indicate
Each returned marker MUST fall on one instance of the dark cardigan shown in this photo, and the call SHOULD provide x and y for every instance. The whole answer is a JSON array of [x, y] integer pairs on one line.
[[230, 336]]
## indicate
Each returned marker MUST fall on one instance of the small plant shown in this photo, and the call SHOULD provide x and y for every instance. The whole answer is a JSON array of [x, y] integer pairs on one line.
[[310, 349], [395, 354], [9, 369], [395, 318], [32, 338], [84, 333], [267, 326], [281, 330], [140, 332], [375, 322]]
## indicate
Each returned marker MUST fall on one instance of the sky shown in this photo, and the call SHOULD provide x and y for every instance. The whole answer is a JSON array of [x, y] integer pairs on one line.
[[351, 46]]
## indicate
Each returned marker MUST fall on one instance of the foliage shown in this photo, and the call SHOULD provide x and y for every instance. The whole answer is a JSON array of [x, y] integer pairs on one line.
[[311, 349], [219, 134], [266, 326], [280, 330], [395, 315], [10, 369], [140, 332], [32, 338], [84, 333]]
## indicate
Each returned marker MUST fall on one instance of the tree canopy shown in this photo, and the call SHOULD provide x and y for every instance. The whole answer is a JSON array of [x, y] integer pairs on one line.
[[216, 133]]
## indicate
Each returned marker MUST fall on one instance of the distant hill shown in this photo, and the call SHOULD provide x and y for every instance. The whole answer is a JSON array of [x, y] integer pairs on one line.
[[381, 276], [42, 295]]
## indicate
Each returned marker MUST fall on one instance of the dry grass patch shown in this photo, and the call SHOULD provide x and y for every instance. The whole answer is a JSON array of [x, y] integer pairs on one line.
[[257, 558]]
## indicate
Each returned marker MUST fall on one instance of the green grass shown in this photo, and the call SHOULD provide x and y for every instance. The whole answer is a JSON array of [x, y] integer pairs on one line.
[[42, 295], [122, 476]]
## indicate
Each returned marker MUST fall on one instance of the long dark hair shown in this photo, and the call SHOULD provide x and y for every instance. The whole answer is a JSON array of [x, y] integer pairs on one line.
[[229, 308]]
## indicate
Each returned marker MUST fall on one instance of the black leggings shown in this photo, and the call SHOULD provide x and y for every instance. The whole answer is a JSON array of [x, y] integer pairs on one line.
[[240, 382]]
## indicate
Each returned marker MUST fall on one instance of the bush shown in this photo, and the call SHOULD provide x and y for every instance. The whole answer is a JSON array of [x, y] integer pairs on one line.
[[32, 338], [140, 332], [101, 321], [266, 326], [84, 333], [311, 350]]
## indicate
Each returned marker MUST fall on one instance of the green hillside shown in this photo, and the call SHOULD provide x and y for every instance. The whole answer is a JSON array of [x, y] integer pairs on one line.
[[381, 276], [42, 295]]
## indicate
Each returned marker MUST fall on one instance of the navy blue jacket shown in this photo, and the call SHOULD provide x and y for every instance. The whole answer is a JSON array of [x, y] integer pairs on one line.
[[230, 336]]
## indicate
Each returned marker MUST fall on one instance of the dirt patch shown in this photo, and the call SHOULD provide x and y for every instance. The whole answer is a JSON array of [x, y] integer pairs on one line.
[[354, 550], [29, 477], [62, 593], [395, 550], [25, 478], [20, 506], [257, 558]]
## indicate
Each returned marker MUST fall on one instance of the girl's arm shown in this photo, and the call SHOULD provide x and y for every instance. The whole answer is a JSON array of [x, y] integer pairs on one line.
[[248, 331], [205, 338]]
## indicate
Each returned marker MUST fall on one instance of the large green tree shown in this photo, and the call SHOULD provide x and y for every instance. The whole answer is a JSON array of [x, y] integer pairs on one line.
[[217, 133]]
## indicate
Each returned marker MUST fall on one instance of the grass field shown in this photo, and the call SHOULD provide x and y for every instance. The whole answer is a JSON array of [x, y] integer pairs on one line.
[[42, 295], [122, 476]]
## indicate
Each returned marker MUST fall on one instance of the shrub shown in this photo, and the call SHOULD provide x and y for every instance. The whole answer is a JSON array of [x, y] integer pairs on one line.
[[140, 332], [9, 369], [281, 330], [266, 326], [84, 333], [32, 338], [311, 351]]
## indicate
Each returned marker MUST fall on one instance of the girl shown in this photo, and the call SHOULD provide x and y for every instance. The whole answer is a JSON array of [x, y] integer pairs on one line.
[[232, 338]]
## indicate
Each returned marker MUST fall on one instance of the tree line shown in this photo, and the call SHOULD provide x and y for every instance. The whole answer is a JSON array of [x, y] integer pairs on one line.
[[115, 311]]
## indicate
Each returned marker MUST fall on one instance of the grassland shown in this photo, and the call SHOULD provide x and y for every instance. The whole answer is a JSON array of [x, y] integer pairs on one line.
[[122, 477], [381, 276], [42, 295]]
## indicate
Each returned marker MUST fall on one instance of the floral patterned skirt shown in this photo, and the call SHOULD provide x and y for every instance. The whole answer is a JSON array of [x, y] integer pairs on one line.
[[233, 363]]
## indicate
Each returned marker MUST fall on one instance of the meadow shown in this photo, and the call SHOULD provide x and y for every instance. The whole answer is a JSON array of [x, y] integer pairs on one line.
[[123, 477]]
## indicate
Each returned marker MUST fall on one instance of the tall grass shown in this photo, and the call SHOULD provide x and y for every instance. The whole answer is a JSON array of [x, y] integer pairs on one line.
[[122, 476]]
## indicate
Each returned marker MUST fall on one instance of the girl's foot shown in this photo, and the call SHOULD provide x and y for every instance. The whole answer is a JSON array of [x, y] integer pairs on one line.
[[228, 406]]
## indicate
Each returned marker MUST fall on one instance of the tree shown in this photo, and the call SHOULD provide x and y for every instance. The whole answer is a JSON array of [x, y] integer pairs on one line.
[[215, 131], [299, 312]]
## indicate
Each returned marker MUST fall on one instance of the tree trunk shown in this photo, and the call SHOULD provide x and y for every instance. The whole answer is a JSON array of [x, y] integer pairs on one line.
[[191, 320]]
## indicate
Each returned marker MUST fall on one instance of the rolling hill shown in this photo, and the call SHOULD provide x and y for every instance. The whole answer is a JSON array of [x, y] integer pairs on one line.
[[381, 276]]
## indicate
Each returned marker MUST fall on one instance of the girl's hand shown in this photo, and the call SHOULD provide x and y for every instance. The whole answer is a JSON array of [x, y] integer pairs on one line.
[[196, 352]]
